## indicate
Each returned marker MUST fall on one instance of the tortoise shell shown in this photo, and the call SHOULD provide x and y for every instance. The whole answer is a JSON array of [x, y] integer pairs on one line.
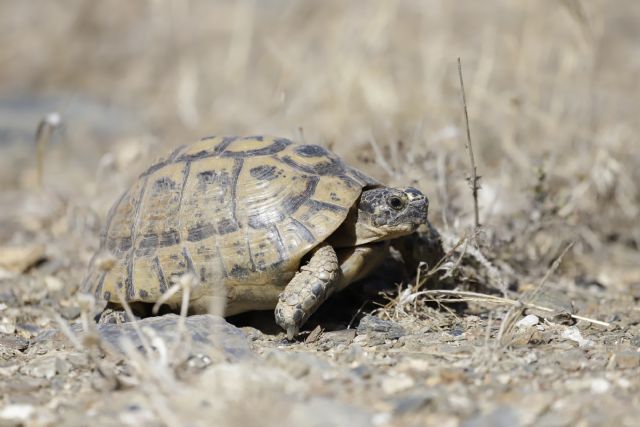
[[230, 210]]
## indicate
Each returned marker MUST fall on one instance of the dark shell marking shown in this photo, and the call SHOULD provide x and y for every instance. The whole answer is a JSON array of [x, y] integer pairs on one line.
[[233, 211]]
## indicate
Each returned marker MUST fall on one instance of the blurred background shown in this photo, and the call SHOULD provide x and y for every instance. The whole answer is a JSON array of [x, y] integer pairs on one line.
[[551, 87]]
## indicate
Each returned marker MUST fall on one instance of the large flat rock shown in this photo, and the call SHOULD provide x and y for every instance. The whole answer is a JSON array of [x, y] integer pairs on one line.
[[209, 335]]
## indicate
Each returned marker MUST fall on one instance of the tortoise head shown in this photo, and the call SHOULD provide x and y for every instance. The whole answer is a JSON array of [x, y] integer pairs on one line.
[[386, 213]]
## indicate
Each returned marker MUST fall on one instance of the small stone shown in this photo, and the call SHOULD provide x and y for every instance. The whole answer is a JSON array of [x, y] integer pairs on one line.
[[7, 326], [571, 360], [24, 384], [413, 401], [78, 360], [389, 329], [381, 419], [53, 284], [27, 330], [8, 370], [418, 365], [62, 366], [452, 375], [13, 342], [44, 367], [70, 313], [457, 331], [19, 258], [600, 385], [198, 362], [530, 358], [252, 333], [354, 353], [554, 299], [321, 411], [7, 297], [332, 339], [363, 371], [627, 359], [572, 333], [522, 337], [502, 416], [395, 384], [297, 364], [314, 335], [528, 321], [16, 412]]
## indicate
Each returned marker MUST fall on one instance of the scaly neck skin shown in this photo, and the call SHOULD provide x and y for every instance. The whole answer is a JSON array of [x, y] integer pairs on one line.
[[358, 229]]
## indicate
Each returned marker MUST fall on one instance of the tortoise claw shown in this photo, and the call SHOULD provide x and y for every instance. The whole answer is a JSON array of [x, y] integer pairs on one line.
[[291, 332]]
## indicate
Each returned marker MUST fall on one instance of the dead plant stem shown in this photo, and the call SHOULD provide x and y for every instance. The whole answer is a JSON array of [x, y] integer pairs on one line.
[[474, 178]]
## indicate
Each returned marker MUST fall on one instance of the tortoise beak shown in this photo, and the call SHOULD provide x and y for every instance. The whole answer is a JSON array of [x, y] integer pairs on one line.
[[419, 203]]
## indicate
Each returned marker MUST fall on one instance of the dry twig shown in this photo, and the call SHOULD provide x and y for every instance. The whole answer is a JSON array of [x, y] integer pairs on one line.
[[474, 179], [478, 297], [47, 125]]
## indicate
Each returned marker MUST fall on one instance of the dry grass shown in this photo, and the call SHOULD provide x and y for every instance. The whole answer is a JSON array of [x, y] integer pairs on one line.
[[549, 87]]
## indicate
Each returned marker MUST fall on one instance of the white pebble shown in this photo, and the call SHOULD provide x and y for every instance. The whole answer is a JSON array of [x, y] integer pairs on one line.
[[528, 321], [600, 385], [573, 333], [17, 412]]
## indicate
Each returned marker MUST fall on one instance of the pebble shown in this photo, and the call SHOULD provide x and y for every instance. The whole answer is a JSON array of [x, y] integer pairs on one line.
[[528, 321], [13, 342], [456, 331], [573, 333], [600, 385], [78, 360], [354, 353], [70, 313], [522, 337], [297, 364], [16, 412], [53, 284], [363, 371], [20, 258], [413, 401], [7, 297], [322, 412], [502, 416], [571, 360], [24, 384], [389, 329], [627, 359], [44, 367], [7, 326], [27, 330], [334, 338], [244, 379], [396, 383]]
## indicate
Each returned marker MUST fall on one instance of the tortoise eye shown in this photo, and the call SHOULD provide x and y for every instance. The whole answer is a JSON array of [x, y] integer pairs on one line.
[[395, 203]]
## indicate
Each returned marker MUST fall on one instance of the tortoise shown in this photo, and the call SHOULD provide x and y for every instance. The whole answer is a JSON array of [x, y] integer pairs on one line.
[[281, 225]]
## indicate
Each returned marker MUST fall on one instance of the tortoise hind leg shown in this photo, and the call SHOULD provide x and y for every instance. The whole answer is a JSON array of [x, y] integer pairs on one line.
[[308, 289], [115, 313]]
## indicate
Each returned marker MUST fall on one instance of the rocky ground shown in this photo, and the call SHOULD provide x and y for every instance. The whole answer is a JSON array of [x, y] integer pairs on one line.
[[454, 357]]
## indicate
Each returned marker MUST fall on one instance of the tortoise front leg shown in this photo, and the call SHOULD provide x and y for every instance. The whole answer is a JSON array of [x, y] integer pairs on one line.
[[309, 288], [325, 274]]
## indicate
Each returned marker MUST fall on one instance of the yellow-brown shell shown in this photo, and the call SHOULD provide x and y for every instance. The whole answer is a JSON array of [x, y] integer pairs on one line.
[[232, 211]]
